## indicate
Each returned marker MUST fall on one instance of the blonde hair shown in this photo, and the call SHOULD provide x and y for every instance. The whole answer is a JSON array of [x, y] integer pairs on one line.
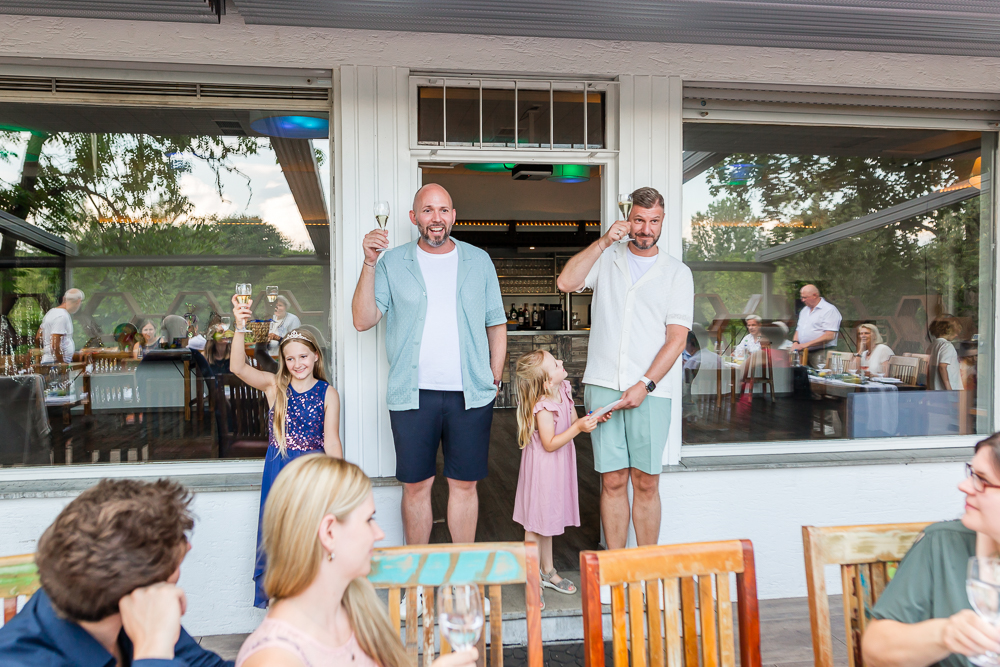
[[876, 337], [529, 383], [309, 488], [285, 378]]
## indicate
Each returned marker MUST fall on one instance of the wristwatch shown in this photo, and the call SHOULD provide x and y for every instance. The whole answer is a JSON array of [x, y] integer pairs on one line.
[[498, 384], [650, 385]]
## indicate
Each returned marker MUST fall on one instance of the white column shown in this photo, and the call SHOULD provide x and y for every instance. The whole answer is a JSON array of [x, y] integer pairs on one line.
[[651, 154], [371, 162]]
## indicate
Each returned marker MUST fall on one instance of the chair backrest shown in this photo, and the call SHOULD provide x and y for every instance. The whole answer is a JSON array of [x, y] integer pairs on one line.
[[925, 360], [677, 581], [904, 369], [842, 360], [18, 577], [249, 408], [488, 564], [867, 556]]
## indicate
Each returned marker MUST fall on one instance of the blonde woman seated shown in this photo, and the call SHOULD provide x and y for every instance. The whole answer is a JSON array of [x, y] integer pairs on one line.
[[873, 354], [924, 617], [752, 341], [319, 532]]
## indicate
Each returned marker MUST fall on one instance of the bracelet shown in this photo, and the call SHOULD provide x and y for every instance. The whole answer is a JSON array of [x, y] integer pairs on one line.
[[367, 264], [243, 330]]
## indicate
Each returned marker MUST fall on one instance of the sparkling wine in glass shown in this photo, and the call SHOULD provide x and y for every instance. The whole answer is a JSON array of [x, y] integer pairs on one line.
[[272, 293], [381, 215], [460, 615], [625, 205], [982, 585], [243, 292]]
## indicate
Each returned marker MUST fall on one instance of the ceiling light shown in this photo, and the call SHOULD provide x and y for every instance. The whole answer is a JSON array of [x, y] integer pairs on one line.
[[570, 173], [491, 166], [291, 127]]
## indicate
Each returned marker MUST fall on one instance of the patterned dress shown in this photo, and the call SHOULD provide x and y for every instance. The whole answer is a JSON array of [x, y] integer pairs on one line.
[[303, 435]]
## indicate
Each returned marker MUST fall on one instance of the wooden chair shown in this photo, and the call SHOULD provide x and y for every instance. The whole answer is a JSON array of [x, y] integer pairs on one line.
[[845, 360], [249, 414], [492, 564], [758, 360], [904, 369], [18, 576], [867, 556], [925, 361], [684, 573]]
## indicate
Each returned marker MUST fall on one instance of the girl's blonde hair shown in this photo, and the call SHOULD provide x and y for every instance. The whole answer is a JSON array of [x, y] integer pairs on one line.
[[529, 383], [285, 377], [309, 488], [876, 337]]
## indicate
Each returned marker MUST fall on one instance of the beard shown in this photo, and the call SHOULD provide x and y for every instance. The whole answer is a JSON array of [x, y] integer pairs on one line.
[[425, 235], [645, 242]]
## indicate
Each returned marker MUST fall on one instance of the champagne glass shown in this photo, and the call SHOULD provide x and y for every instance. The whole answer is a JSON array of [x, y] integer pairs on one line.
[[226, 322], [625, 205], [272, 293], [381, 217], [460, 615], [243, 292], [982, 585]]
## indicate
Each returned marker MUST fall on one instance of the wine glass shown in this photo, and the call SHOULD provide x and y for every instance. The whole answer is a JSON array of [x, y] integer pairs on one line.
[[982, 585], [272, 293], [381, 217], [226, 322], [243, 292], [625, 205], [460, 615]]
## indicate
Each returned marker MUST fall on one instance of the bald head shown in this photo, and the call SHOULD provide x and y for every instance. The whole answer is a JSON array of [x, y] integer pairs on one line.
[[433, 214], [809, 295], [433, 191]]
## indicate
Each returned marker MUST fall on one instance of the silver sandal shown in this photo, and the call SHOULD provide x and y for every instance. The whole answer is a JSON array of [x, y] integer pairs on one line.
[[564, 586]]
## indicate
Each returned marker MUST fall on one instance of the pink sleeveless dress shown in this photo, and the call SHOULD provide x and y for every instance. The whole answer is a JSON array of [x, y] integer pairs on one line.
[[273, 633], [547, 501]]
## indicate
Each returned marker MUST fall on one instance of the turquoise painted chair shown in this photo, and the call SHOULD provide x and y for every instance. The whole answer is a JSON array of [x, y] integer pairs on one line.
[[489, 564], [18, 576]]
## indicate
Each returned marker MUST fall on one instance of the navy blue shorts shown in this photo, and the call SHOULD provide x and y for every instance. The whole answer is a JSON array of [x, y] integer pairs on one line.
[[442, 418]]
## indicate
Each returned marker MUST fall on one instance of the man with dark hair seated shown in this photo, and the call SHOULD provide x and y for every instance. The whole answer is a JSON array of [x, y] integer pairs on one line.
[[109, 566]]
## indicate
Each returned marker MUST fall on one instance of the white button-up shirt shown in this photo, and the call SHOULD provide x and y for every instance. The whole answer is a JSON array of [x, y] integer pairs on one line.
[[814, 322], [629, 322]]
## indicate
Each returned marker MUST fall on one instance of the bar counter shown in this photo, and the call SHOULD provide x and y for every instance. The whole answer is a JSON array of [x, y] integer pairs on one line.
[[569, 346]]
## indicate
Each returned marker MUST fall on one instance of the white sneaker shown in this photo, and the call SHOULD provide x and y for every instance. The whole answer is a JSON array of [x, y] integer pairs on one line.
[[420, 604]]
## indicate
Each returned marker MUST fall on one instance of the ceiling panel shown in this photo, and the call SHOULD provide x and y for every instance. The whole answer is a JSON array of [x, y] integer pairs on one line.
[[955, 27], [186, 11]]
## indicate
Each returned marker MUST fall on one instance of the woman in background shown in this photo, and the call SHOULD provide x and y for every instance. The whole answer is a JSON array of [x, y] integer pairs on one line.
[[873, 354]]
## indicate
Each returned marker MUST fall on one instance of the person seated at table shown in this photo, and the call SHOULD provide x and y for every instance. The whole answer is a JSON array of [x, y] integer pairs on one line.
[[125, 336], [319, 530], [752, 341], [109, 566], [873, 354], [281, 323], [943, 369], [145, 340], [924, 617], [217, 349]]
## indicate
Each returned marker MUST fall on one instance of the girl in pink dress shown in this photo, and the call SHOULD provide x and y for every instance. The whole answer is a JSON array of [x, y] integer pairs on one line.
[[546, 501]]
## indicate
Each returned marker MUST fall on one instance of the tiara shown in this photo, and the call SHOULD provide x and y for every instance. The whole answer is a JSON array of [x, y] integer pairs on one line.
[[297, 335]]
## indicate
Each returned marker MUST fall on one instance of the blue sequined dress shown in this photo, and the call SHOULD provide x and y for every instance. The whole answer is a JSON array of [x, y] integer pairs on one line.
[[303, 435]]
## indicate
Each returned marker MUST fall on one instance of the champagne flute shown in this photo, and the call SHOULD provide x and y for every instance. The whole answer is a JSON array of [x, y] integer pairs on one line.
[[243, 292], [381, 216], [982, 585], [272, 293], [625, 205], [460, 615]]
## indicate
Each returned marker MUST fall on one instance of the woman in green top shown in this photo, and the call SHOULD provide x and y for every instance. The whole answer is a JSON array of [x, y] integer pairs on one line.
[[923, 617]]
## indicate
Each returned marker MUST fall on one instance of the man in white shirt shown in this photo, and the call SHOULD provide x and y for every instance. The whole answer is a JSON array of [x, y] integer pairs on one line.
[[57, 329], [642, 311], [819, 322]]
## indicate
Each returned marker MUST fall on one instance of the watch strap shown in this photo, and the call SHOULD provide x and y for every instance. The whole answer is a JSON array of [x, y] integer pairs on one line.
[[650, 385]]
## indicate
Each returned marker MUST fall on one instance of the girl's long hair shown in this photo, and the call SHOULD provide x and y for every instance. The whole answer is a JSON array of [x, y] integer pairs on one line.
[[285, 377], [308, 489], [529, 383]]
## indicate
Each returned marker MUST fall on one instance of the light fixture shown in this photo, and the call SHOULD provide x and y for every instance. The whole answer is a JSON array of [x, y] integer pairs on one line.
[[570, 173], [288, 126], [490, 167]]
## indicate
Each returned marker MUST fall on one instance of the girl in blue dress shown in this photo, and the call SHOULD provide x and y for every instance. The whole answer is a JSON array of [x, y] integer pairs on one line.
[[304, 414]]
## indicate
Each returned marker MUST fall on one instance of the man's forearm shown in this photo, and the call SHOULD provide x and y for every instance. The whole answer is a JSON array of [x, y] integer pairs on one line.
[[667, 356], [497, 337], [574, 274], [364, 310]]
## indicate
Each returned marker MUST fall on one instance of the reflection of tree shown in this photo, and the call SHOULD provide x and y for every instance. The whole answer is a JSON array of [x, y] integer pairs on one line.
[[796, 195]]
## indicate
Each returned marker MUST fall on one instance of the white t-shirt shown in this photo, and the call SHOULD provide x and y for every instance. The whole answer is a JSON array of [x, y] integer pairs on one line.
[[440, 365], [57, 321], [875, 363], [943, 352], [814, 322], [637, 266]]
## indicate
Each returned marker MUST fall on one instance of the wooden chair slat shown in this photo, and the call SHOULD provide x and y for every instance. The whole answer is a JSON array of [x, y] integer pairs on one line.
[[427, 642], [709, 637], [749, 611], [18, 576], [672, 560], [590, 598], [496, 626], [671, 622], [411, 624], [481, 644], [637, 634], [654, 614], [394, 598], [619, 629], [689, 613], [727, 654]]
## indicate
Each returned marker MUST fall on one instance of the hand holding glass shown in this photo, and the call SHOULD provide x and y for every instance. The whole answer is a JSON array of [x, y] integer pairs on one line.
[[460, 615], [381, 217], [982, 585]]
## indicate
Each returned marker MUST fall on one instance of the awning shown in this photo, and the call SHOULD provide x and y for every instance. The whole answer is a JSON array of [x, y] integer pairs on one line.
[[183, 11]]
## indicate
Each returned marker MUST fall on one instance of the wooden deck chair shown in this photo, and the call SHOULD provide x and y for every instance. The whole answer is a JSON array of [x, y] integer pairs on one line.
[[690, 600], [491, 564], [867, 556], [904, 369], [18, 577]]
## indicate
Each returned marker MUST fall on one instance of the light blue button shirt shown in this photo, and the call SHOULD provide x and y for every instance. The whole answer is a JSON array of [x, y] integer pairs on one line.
[[401, 295]]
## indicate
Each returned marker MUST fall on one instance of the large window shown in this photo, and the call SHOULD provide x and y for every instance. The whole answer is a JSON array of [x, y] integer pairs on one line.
[[891, 228], [155, 214]]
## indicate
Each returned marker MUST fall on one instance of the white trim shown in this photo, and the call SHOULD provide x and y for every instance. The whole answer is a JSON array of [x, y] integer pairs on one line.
[[131, 470], [800, 117], [829, 446]]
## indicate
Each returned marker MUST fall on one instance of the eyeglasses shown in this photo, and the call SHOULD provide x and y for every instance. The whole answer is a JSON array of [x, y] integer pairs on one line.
[[979, 482]]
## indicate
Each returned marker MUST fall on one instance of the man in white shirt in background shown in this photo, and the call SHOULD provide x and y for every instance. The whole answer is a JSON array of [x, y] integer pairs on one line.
[[642, 311], [819, 322], [56, 331]]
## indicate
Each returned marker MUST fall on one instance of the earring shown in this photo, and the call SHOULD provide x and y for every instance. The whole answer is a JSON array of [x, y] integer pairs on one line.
[[332, 556]]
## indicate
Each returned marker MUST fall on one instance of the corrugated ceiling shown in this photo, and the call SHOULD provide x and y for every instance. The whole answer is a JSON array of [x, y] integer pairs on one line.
[[951, 27]]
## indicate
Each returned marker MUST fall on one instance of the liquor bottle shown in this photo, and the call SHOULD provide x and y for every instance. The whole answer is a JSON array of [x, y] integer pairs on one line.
[[520, 319], [512, 315], [534, 315]]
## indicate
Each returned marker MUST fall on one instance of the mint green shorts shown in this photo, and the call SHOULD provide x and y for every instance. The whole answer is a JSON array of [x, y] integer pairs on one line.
[[631, 438]]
